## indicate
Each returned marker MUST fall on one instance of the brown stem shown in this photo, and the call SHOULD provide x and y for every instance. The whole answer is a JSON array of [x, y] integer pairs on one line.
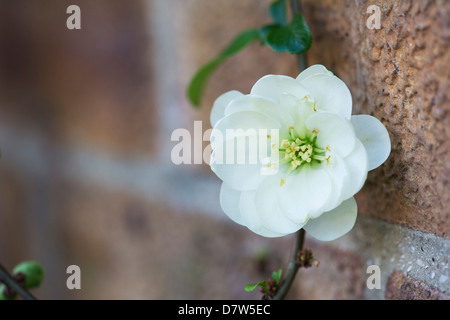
[[292, 267], [9, 280]]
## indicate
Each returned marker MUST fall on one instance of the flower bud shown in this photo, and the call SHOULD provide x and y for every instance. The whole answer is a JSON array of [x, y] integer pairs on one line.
[[33, 272]]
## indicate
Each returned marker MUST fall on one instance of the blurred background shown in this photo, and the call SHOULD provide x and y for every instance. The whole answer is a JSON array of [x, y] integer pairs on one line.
[[86, 118]]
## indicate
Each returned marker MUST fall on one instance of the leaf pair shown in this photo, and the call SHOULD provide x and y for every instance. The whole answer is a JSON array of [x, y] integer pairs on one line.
[[294, 38], [276, 276]]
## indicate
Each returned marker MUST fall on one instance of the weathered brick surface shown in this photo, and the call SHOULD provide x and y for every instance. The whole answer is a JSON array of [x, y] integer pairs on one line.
[[338, 276], [400, 75], [401, 287]]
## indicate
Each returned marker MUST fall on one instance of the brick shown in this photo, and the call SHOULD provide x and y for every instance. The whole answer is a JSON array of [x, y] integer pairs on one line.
[[89, 87], [339, 275], [398, 74], [131, 248], [13, 226], [401, 287]]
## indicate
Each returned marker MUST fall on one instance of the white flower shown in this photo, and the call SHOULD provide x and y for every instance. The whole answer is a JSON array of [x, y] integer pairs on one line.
[[323, 154]]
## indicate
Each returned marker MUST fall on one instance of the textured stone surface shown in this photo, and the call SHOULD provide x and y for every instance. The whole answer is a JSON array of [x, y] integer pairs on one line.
[[400, 75], [422, 256], [400, 287], [338, 276]]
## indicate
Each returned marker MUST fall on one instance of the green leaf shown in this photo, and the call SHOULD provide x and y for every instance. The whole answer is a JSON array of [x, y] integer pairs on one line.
[[34, 274], [240, 42], [198, 82], [266, 30], [294, 38], [278, 12], [251, 287], [276, 275]]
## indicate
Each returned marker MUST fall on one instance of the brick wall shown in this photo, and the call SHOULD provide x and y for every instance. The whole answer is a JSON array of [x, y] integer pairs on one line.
[[86, 177]]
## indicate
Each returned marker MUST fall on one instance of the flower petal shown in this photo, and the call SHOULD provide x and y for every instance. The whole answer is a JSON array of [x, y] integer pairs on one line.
[[358, 165], [339, 174], [250, 214], [296, 112], [256, 104], [334, 130], [335, 223], [269, 209], [375, 138], [242, 121], [331, 94], [220, 104], [273, 86], [312, 71], [305, 193], [241, 174], [239, 124], [229, 202], [238, 154]]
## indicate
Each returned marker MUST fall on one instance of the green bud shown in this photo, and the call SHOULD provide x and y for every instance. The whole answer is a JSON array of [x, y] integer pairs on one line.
[[33, 272], [4, 290]]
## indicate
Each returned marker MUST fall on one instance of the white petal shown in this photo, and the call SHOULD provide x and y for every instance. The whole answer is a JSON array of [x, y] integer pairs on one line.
[[273, 86], [256, 104], [237, 156], [357, 165], [340, 175], [375, 138], [229, 201], [242, 176], [334, 130], [218, 109], [244, 121], [334, 224], [237, 124], [251, 217], [331, 94], [305, 193], [296, 111], [269, 210], [312, 71]]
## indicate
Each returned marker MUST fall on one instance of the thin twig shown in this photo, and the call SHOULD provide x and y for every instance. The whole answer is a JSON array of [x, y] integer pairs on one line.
[[295, 6], [9, 280], [292, 267]]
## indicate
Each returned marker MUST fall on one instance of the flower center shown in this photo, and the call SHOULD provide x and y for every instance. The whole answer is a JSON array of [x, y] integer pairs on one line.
[[298, 151]]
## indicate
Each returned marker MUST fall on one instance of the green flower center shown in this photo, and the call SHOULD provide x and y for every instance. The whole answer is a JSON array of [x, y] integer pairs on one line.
[[298, 151]]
